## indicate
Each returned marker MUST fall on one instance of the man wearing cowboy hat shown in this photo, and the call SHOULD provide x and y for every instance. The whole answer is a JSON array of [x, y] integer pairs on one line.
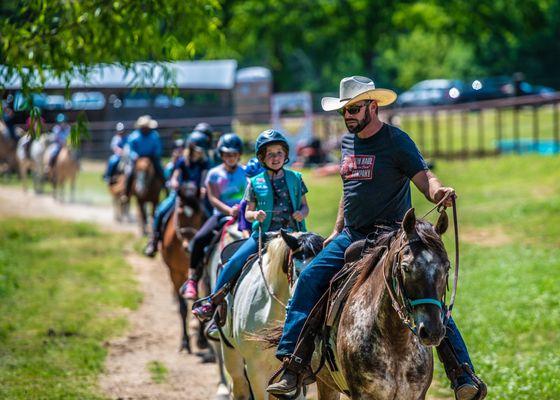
[[378, 163], [144, 141]]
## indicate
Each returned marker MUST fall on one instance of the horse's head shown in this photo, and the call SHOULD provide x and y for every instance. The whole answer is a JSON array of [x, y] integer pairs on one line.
[[419, 273], [188, 194], [303, 248], [143, 173], [188, 209]]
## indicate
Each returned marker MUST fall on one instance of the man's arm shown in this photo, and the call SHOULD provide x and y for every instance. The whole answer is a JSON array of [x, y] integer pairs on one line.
[[339, 224], [431, 187]]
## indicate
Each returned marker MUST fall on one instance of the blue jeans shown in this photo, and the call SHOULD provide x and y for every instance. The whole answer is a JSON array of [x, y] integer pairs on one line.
[[236, 262], [163, 208], [314, 281], [112, 166]]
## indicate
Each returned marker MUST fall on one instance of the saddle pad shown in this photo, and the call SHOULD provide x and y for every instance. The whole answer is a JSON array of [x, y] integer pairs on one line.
[[230, 250]]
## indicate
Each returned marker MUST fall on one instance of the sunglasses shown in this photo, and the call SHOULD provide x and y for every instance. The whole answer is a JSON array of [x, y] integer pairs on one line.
[[354, 109]]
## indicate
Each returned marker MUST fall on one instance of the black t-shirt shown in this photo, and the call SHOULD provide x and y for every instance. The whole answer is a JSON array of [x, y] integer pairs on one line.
[[376, 175]]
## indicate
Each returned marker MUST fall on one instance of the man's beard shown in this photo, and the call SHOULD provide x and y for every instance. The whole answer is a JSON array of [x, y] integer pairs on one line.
[[361, 124]]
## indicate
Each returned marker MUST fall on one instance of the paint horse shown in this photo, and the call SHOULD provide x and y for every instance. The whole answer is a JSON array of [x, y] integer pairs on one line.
[[392, 317]]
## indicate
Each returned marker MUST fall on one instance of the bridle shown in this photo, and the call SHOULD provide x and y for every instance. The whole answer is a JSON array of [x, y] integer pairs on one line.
[[402, 304], [290, 269]]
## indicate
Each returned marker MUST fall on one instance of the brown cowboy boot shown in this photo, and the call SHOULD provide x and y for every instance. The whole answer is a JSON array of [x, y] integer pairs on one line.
[[295, 376]]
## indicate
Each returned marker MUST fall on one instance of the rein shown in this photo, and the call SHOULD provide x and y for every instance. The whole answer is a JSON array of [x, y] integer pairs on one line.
[[268, 289], [404, 311]]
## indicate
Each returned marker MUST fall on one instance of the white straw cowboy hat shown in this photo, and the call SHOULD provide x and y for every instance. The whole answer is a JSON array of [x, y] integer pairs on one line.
[[145, 121], [356, 88]]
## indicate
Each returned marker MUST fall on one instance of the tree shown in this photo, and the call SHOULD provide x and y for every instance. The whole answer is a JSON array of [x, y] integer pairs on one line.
[[66, 38]]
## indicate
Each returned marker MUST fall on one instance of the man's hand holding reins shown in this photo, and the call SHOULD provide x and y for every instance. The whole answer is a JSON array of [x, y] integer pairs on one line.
[[441, 193]]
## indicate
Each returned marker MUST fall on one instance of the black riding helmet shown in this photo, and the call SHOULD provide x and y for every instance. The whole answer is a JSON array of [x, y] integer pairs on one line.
[[230, 143], [199, 141], [268, 137], [205, 128]]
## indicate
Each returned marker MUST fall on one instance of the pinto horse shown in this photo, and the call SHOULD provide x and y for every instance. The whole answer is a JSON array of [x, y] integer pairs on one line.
[[146, 187], [392, 317], [184, 222], [258, 303]]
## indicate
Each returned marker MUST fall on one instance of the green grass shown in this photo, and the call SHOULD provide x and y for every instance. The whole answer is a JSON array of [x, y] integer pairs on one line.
[[63, 290], [158, 371], [508, 304]]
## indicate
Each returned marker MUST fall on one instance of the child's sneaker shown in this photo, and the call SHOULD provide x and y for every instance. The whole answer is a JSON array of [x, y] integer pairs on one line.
[[189, 290]]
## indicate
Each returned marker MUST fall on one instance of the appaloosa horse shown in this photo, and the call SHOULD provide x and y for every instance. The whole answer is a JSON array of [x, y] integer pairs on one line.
[[392, 317], [258, 303], [146, 187], [183, 223]]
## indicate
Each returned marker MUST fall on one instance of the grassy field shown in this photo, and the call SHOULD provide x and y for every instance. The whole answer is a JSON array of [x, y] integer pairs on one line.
[[508, 305], [63, 291]]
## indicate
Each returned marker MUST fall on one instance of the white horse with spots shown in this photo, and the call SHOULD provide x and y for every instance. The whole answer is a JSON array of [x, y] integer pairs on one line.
[[252, 309]]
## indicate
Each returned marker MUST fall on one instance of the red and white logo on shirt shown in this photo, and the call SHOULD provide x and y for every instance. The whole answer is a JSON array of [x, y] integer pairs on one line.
[[357, 168]]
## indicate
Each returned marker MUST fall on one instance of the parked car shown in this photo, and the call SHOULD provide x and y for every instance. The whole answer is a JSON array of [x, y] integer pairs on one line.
[[434, 92], [504, 86]]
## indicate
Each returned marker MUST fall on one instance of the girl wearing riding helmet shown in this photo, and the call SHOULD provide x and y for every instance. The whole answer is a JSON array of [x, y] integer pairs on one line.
[[225, 186], [192, 166], [275, 200]]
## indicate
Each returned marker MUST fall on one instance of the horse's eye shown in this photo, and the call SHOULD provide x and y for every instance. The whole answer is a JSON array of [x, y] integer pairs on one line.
[[405, 267]]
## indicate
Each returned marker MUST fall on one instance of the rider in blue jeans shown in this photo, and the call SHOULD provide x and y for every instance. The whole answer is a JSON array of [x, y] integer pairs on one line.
[[378, 163], [275, 200]]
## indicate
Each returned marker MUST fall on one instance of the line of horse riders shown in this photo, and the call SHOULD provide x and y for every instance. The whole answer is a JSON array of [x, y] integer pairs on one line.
[[46, 156], [362, 308], [386, 307]]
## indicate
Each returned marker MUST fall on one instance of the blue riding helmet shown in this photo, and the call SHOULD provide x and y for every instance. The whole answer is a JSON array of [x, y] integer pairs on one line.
[[230, 143], [253, 167], [268, 137], [60, 118], [205, 128], [198, 141]]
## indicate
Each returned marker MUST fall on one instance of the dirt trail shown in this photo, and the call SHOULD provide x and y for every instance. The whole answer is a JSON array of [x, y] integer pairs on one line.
[[154, 332]]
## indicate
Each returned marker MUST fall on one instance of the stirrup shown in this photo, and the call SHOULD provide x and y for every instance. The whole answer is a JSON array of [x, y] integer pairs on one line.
[[304, 375], [482, 388]]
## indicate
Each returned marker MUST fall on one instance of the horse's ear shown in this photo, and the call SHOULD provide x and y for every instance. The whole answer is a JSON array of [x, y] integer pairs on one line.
[[442, 223], [409, 222], [291, 241]]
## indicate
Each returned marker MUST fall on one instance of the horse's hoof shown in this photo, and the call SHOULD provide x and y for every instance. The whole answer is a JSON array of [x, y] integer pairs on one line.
[[185, 346], [208, 358]]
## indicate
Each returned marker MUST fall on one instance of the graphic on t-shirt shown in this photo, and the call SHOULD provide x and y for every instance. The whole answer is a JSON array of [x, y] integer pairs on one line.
[[355, 168]]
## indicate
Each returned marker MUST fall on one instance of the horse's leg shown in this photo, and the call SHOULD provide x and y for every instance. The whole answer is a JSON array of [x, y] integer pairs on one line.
[[185, 344], [235, 366], [142, 215], [223, 392], [73, 189]]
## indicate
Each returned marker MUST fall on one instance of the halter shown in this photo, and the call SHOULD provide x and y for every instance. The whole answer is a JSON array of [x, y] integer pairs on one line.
[[404, 307]]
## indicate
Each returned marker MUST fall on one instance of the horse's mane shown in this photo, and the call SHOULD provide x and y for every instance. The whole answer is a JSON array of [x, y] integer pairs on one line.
[[425, 231], [277, 253]]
